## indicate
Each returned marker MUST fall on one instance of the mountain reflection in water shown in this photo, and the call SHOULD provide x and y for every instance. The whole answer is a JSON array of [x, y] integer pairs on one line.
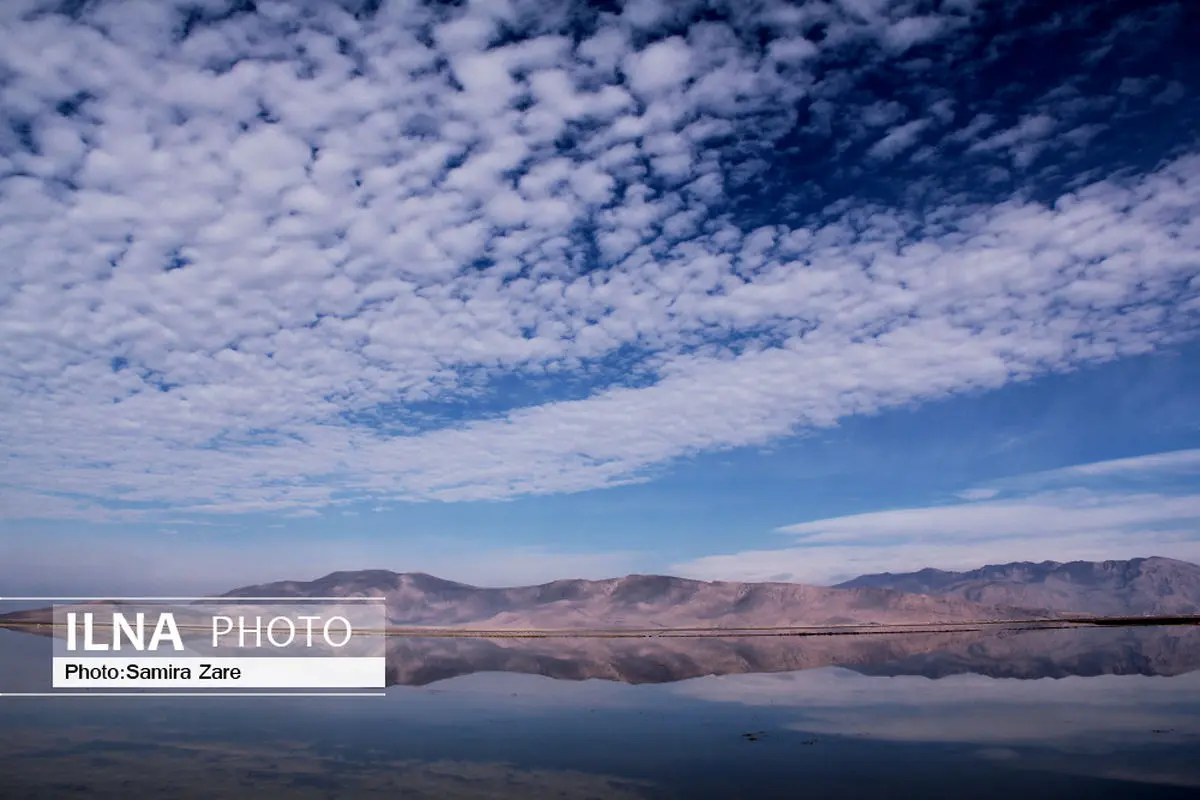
[[1167, 650], [1096, 713]]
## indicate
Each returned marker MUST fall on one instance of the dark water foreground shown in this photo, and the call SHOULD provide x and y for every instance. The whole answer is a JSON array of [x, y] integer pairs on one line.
[[1062, 713]]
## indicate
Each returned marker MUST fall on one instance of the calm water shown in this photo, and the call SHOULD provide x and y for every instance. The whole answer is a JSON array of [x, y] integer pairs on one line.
[[1098, 713]]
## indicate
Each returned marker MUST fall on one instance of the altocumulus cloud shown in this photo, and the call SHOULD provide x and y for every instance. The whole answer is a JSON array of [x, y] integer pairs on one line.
[[278, 256]]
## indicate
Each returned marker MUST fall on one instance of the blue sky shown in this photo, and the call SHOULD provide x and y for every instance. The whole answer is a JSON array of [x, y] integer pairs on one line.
[[511, 291]]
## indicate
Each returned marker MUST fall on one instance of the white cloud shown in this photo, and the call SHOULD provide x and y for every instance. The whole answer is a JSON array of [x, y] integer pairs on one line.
[[830, 564], [191, 562], [244, 264], [1036, 517], [661, 66], [898, 139], [912, 31], [1119, 474], [1174, 461], [1024, 141], [1050, 514]]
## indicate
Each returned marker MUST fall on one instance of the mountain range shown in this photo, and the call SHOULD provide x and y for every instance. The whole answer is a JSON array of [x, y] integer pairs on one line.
[[1139, 586], [1006, 592], [1022, 590], [634, 601]]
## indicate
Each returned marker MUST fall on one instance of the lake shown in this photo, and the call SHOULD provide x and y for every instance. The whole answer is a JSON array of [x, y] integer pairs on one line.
[[1088, 713]]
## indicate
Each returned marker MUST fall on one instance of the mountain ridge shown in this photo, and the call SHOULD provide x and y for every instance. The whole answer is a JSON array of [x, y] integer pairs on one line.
[[1152, 585], [637, 601], [1022, 590]]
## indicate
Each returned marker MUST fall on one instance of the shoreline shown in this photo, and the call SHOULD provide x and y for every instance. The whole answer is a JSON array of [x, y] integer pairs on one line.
[[857, 629]]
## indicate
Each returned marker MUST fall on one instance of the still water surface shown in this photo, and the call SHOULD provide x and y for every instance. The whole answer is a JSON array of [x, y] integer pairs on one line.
[[1093, 713]]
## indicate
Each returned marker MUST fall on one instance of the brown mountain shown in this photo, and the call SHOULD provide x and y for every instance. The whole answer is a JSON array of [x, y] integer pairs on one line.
[[635, 601], [1158, 586]]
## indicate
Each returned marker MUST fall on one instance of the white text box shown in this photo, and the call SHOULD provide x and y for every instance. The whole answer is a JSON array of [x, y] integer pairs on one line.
[[220, 673]]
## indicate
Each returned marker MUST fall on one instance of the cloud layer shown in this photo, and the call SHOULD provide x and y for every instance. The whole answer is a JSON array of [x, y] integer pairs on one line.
[[1091, 512], [279, 260]]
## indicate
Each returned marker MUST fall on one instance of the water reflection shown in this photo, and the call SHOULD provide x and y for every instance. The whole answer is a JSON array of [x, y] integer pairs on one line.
[[1097, 713], [1166, 650]]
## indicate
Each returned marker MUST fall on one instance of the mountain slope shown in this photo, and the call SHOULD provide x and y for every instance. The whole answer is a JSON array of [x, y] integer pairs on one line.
[[635, 601], [1138, 586]]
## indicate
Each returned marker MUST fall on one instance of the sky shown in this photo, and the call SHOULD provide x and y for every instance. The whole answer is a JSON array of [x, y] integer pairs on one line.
[[509, 291]]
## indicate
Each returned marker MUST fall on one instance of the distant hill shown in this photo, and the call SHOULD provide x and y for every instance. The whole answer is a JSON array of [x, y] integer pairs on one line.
[[634, 601], [1160, 586]]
